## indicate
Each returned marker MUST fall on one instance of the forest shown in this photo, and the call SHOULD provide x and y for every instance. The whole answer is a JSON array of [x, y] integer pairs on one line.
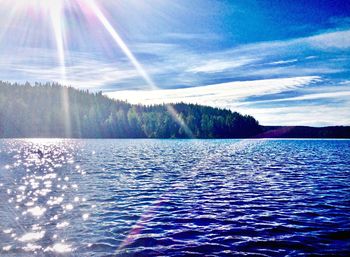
[[55, 111]]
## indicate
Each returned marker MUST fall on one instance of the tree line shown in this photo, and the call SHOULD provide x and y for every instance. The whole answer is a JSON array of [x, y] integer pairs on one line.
[[52, 110]]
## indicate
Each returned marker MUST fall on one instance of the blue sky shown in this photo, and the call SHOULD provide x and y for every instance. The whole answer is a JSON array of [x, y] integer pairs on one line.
[[284, 62]]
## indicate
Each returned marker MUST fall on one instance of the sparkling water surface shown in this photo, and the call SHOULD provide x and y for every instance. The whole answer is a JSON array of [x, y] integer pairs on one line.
[[174, 197]]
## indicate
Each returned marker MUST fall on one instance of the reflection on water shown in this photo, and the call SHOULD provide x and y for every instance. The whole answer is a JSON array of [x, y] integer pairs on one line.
[[174, 197], [37, 194]]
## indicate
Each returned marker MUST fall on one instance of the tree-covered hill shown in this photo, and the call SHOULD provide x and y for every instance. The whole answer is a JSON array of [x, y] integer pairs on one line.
[[304, 132], [52, 110]]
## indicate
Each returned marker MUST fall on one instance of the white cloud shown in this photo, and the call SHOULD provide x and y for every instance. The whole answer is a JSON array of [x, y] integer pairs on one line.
[[192, 36], [294, 71], [315, 115], [232, 95], [284, 62], [294, 57], [81, 71], [301, 61], [92, 75], [170, 65], [338, 39], [213, 66], [220, 95], [336, 95]]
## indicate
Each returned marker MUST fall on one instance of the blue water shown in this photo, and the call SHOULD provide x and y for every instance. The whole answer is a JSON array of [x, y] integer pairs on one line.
[[174, 197]]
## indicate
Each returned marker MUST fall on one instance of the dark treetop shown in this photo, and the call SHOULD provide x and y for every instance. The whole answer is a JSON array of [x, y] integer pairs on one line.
[[52, 110]]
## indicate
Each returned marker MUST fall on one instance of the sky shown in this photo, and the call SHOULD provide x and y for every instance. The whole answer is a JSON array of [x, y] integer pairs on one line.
[[283, 62]]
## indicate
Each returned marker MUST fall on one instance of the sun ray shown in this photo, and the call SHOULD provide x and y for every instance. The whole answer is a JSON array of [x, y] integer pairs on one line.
[[120, 42], [59, 38], [54, 11], [56, 14], [93, 6]]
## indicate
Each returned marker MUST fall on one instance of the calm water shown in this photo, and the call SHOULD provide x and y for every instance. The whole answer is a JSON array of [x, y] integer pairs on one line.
[[174, 197]]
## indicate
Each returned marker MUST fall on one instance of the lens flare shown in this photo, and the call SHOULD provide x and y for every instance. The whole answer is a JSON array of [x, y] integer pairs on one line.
[[56, 13]]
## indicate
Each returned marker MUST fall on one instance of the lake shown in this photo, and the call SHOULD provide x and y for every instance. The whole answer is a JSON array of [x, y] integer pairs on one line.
[[174, 197]]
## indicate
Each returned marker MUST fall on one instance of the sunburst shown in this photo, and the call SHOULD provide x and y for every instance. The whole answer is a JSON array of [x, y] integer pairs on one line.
[[53, 12]]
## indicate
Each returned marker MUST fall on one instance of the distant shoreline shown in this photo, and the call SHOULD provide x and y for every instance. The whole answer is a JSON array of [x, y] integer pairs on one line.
[[269, 132], [65, 112], [305, 132]]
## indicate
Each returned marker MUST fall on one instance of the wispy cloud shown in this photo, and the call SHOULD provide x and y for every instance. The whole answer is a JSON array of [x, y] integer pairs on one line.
[[82, 71], [214, 66], [219, 95], [329, 95], [331, 40], [284, 62], [192, 36], [308, 109], [294, 57], [225, 77], [171, 65], [302, 115]]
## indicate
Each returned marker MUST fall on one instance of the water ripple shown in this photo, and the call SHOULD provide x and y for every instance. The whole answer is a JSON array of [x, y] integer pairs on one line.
[[174, 197]]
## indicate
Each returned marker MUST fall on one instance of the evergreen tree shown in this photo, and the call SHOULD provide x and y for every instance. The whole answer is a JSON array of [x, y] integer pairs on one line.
[[51, 110]]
